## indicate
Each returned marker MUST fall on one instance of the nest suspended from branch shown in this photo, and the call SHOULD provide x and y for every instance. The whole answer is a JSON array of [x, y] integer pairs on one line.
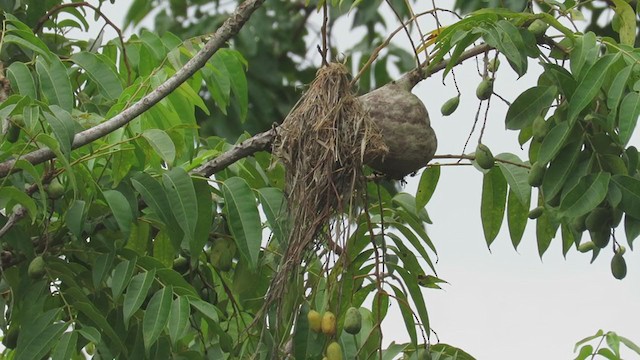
[[322, 144]]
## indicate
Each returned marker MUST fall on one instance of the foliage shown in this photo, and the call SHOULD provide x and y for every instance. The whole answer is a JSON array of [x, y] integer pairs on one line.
[[610, 339], [124, 248]]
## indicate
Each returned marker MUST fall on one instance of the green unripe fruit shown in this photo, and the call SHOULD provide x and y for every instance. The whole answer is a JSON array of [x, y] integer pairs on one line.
[[36, 268], [352, 321], [618, 266], [90, 349], [315, 321], [586, 246], [536, 213], [10, 339], [484, 157], [222, 253], [55, 190], [538, 28], [539, 128], [328, 323], [180, 264], [621, 250], [578, 224], [484, 89], [334, 351], [493, 65], [536, 174], [450, 106], [598, 219], [600, 237]]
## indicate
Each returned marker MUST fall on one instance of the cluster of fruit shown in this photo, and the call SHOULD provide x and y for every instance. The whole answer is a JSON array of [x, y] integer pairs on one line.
[[326, 324]]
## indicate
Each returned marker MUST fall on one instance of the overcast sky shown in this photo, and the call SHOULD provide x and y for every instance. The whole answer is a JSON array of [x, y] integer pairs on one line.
[[502, 304]]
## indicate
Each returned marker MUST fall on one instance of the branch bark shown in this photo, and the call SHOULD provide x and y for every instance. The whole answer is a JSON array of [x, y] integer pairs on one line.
[[229, 28]]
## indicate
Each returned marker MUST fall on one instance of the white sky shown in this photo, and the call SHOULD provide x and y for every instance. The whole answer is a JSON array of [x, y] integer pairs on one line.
[[503, 304]]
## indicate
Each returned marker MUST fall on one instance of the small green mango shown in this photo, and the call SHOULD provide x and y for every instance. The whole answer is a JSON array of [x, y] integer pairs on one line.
[[352, 321], [493, 65], [600, 237], [484, 157], [586, 247], [222, 253], [539, 128], [578, 224], [536, 213], [450, 106], [55, 189], [536, 174], [484, 89], [598, 219], [538, 28], [618, 266], [36, 268]]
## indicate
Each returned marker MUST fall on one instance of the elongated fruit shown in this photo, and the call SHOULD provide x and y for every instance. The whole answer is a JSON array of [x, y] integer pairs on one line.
[[328, 323], [315, 321], [352, 321], [536, 174], [334, 351], [450, 106], [484, 157], [618, 266], [536, 213], [484, 89], [36, 268]]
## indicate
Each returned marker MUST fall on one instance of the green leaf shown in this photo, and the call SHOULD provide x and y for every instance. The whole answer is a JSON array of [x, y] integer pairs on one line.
[[516, 176], [182, 198], [162, 144], [560, 169], [204, 308], [100, 268], [627, 24], [13, 194], [589, 87], [590, 191], [205, 217], [427, 185], [37, 344], [155, 196], [91, 312], [630, 344], [238, 79], [629, 112], [616, 90], [411, 283], [275, 209], [517, 217], [546, 230], [66, 346], [156, 316], [54, 83], [120, 208], [178, 323], [243, 218], [553, 142], [101, 72], [494, 197], [631, 229], [27, 41], [512, 46], [136, 293], [163, 249], [585, 48], [63, 128], [121, 276], [528, 105], [21, 80], [630, 188], [407, 314]]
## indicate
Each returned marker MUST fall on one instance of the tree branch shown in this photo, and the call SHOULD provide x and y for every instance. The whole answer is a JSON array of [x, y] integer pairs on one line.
[[229, 28]]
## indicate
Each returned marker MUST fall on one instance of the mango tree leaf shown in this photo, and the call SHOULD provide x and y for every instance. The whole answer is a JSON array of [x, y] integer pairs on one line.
[[616, 90], [205, 217], [163, 249], [274, 207], [178, 323], [553, 142], [63, 128], [101, 266], [243, 218], [586, 195], [517, 217], [494, 197], [155, 196], [21, 80], [585, 48], [101, 73], [91, 312], [120, 208], [206, 309], [54, 83], [156, 315], [182, 197], [136, 293], [546, 230], [512, 46], [627, 22], [66, 346], [631, 229], [630, 188], [12, 193], [238, 79], [161, 143], [427, 185], [516, 176], [528, 105], [120, 277], [407, 314], [589, 87], [37, 344], [28, 41], [629, 112], [559, 170]]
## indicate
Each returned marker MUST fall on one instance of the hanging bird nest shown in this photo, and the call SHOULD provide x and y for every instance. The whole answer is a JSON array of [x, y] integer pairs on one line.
[[322, 144]]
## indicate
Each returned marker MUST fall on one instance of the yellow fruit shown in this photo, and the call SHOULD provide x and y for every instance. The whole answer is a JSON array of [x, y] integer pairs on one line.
[[484, 89], [36, 268], [618, 266], [315, 321], [334, 351], [450, 106], [352, 321], [536, 174], [484, 157], [328, 323]]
